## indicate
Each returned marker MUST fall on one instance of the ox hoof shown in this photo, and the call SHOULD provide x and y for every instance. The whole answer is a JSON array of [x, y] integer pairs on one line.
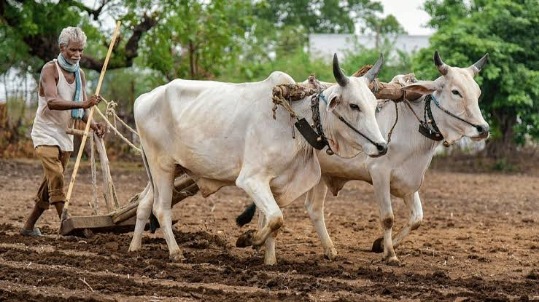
[[378, 245], [176, 256], [393, 261], [245, 239], [134, 248], [270, 261], [330, 254]]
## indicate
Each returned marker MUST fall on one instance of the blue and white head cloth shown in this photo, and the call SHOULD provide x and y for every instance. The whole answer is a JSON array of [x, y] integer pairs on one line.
[[74, 68]]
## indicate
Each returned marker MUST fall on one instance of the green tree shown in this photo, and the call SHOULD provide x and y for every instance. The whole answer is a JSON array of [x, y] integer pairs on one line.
[[29, 33], [193, 38], [509, 31], [318, 16]]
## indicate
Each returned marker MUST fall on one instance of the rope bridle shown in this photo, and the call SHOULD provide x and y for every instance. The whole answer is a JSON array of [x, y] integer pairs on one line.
[[428, 126], [342, 119], [478, 127]]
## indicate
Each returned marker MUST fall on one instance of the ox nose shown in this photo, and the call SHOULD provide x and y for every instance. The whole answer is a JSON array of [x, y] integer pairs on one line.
[[482, 129], [382, 148]]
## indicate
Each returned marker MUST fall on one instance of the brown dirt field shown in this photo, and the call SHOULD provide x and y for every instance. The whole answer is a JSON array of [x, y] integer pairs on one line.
[[479, 241]]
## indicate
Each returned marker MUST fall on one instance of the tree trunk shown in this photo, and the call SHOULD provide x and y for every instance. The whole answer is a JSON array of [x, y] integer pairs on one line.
[[505, 145], [192, 67]]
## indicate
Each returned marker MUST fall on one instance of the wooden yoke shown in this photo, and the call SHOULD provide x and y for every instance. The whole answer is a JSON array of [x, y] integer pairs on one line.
[[383, 91], [392, 90]]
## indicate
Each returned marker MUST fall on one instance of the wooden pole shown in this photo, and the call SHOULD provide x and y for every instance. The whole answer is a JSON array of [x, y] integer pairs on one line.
[[108, 186], [89, 120]]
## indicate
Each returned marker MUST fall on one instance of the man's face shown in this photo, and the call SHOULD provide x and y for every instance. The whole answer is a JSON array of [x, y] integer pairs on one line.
[[72, 52]]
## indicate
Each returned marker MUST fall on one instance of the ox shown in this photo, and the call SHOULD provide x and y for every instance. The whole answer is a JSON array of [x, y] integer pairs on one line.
[[222, 134], [448, 110]]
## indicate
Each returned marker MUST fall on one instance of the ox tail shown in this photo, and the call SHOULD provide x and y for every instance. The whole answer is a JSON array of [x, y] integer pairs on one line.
[[247, 215], [154, 223]]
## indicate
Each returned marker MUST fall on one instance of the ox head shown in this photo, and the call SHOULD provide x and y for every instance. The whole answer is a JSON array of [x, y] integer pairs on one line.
[[457, 94], [350, 123]]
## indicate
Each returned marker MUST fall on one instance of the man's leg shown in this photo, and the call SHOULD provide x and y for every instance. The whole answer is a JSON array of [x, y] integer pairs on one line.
[[32, 219], [55, 175], [59, 208], [52, 188], [59, 201], [41, 204]]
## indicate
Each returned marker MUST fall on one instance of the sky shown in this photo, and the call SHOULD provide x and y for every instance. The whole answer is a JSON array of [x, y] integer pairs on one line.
[[409, 14]]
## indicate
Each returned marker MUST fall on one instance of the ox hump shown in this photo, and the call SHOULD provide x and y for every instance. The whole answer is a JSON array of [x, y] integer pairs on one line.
[[279, 77]]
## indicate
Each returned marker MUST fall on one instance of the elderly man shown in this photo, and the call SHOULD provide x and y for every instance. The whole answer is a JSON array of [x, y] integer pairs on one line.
[[62, 100]]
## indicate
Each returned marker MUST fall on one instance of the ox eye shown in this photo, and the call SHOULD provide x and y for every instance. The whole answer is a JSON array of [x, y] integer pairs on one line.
[[354, 107], [456, 92]]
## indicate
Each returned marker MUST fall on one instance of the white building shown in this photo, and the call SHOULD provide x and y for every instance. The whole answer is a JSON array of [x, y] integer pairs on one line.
[[324, 45]]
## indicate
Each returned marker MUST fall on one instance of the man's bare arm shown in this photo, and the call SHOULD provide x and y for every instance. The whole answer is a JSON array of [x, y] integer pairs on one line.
[[50, 92]]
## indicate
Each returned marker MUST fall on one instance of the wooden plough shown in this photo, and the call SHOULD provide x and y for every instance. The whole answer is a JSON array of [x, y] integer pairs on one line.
[[122, 219]]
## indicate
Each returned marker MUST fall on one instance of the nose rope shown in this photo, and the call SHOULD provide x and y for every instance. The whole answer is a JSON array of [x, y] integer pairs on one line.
[[478, 127], [428, 126], [342, 119]]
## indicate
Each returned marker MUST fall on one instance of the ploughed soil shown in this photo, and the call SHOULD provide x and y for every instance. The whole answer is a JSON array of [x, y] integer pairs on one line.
[[479, 241]]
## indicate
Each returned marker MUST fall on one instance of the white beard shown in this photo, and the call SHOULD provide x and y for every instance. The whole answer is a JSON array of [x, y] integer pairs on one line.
[[73, 62]]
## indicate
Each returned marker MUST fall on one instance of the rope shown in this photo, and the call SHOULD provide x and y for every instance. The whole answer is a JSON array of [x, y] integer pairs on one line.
[[412, 109], [284, 94], [394, 124], [278, 99], [110, 111], [119, 133]]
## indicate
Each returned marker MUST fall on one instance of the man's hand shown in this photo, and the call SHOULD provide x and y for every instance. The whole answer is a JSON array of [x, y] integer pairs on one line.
[[99, 128], [92, 101]]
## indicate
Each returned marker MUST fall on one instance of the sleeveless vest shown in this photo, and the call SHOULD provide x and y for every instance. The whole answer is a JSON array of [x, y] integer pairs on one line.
[[50, 125]]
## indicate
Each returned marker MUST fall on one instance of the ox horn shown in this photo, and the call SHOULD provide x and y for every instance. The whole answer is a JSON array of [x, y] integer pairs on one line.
[[477, 66], [373, 72], [337, 72], [442, 67]]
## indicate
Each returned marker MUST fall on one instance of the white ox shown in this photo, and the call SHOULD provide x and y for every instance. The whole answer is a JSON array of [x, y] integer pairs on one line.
[[223, 134], [401, 171]]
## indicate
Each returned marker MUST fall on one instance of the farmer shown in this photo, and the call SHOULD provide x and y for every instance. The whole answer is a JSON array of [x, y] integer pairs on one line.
[[62, 100]]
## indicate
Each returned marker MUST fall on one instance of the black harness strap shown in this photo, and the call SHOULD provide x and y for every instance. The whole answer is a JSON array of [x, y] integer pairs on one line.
[[315, 137], [428, 126]]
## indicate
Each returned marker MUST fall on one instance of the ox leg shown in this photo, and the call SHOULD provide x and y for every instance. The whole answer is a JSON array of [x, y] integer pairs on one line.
[[143, 213], [269, 253], [416, 217], [314, 203], [163, 179], [381, 192], [260, 192]]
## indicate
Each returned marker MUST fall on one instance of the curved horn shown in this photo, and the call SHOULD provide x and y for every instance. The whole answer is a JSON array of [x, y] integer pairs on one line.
[[477, 66], [337, 72], [442, 67], [373, 72]]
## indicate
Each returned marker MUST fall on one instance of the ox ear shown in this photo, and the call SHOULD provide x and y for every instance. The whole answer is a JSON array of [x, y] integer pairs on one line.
[[477, 66], [373, 72], [422, 87], [442, 67], [334, 100]]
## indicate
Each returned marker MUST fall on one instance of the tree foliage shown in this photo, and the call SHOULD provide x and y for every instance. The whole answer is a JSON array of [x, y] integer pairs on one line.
[[507, 30], [33, 27], [317, 16]]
